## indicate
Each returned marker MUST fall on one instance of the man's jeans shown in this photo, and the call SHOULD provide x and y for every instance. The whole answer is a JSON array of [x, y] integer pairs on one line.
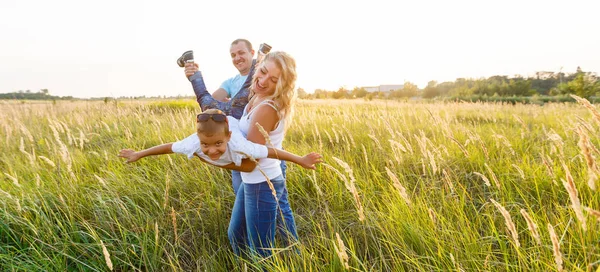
[[255, 215]]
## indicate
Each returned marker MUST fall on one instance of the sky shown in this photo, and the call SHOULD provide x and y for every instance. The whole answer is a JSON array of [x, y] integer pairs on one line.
[[128, 48]]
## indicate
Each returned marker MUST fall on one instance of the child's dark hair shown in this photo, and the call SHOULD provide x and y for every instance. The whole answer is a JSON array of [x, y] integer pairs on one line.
[[210, 127]]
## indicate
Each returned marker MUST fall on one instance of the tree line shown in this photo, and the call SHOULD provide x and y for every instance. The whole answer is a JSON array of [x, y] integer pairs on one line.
[[583, 84]]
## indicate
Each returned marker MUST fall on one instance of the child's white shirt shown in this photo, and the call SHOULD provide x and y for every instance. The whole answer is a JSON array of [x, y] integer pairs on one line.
[[237, 147]]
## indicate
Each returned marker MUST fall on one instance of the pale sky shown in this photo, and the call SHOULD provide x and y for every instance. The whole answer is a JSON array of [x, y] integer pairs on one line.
[[128, 48]]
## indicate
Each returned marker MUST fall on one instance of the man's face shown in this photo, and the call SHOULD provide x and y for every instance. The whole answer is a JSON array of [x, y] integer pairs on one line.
[[214, 145], [241, 57]]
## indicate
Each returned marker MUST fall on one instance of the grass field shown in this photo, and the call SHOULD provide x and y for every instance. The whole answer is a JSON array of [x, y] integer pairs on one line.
[[404, 186]]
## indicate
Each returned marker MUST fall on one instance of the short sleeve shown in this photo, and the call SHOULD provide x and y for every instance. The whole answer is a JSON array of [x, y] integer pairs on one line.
[[187, 146], [226, 85]]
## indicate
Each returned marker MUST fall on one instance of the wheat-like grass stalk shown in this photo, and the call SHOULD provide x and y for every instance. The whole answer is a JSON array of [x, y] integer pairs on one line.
[[593, 212], [340, 249], [101, 180], [509, 223], [48, 161], [462, 148], [401, 190], [174, 221], [432, 216], [493, 175], [485, 179], [265, 134], [584, 145], [572, 190], [456, 264], [106, 256], [349, 185], [588, 106], [167, 182], [533, 228], [374, 138], [273, 192], [13, 179], [555, 248], [448, 180]]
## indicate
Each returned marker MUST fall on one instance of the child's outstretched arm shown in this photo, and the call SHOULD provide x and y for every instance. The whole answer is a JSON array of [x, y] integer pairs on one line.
[[133, 156], [308, 161]]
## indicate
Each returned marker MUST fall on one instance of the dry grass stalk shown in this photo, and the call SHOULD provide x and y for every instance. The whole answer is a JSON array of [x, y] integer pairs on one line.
[[456, 264], [329, 137], [494, 178], [101, 180], [432, 162], [350, 186], [593, 212], [48, 161], [267, 138], [464, 151], [547, 164], [448, 180], [533, 228], [519, 170], [398, 186], [588, 106], [273, 192], [167, 182], [485, 180], [365, 154], [340, 249], [509, 223], [432, 215], [315, 183], [572, 190], [13, 179], [584, 144], [174, 221], [555, 248], [106, 256], [376, 141]]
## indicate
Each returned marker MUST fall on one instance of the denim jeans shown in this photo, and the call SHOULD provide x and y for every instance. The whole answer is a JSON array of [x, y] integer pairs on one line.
[[236, 177], [255, 216]]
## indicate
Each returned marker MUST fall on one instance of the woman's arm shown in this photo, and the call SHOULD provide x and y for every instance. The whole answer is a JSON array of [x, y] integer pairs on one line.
[[133, 156], [267, 118], [233, 107]]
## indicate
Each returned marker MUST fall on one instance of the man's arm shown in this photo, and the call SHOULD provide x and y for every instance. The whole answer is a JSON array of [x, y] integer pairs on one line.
[[133, 156], [221, 95]]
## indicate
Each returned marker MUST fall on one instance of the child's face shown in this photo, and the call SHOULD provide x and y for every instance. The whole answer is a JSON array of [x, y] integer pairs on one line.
[[215, 145]]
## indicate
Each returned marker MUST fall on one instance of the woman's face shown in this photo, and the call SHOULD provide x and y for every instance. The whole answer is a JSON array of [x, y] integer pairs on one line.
[[267, 76]]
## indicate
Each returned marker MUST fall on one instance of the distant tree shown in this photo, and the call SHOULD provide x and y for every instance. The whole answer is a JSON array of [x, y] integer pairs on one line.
[[359, 92], [301, 93], [430, 90], [341, 93]]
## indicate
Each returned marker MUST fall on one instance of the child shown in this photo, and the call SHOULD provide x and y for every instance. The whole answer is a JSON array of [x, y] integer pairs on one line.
[[220, 142]]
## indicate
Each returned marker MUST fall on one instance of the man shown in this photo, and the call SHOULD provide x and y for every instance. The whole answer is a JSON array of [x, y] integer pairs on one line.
[[241, 56], [232, 96]]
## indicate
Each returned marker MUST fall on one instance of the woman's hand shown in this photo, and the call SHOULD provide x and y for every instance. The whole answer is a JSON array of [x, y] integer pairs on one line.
[[310, 160], [191, 68], [130, 155]]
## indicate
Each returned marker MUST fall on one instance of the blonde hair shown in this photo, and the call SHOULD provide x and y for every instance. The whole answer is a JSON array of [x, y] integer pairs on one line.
[[285, 90], [210, 127]]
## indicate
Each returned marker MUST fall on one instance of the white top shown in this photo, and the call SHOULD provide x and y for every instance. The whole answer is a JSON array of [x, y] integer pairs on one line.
[[271, 167], [236, 147]]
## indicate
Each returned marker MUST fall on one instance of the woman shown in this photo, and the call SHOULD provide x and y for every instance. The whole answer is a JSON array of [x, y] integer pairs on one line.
[[256, 210]]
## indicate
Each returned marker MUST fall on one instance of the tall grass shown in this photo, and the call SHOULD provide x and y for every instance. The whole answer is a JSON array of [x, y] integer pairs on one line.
[[403, 188]]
